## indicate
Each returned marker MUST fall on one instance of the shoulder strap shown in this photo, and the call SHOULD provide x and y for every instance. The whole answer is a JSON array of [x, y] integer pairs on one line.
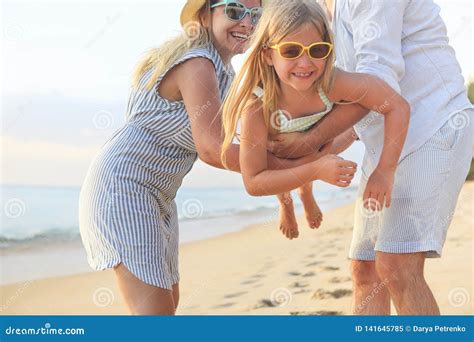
[[324, 98]]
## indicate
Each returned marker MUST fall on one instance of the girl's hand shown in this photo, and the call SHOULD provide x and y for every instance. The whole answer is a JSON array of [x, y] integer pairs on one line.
[[379, 189], [335, 170]]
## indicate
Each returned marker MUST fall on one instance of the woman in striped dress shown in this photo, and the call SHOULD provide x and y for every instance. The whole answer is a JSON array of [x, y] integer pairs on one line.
[[128, 217], [127, 214]]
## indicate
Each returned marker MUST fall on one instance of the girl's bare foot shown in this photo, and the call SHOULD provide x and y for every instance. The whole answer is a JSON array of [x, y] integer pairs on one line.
[[313, 213], [288, 224]]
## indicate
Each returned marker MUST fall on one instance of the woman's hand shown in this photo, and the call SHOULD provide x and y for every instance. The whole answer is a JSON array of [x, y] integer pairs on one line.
[[378, 191]]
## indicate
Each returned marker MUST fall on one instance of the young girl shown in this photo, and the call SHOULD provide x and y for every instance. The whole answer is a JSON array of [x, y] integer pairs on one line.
[[287, 84]]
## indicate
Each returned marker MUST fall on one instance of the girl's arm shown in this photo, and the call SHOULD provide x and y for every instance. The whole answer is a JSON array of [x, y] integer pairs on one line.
[[375, 94], [200, 92], [260, 181]]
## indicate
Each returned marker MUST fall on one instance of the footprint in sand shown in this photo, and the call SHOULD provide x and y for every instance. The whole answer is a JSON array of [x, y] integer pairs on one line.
[[324, 294], [222, 306], [301, 291], [298, 285], [258, 276], [330, 268], [264, 303], [309, 274], [249, 282], [235, 295], [337, 280], [315, 263], [294, 273], [316, 313]]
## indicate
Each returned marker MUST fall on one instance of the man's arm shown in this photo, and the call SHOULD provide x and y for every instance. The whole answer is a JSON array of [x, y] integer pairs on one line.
[[377, 29], [296, 145]]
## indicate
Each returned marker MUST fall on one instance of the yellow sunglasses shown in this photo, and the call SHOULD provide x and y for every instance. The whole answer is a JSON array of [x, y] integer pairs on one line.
[[294, 50]]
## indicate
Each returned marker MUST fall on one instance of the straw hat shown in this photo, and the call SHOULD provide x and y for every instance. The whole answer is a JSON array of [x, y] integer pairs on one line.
[[191, 10]]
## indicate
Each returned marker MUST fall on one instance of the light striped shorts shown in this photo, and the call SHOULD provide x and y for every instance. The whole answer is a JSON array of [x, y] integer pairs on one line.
[[427, 185]]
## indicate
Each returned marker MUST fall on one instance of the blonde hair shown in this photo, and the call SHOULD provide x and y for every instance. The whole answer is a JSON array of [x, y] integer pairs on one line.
[[195, 35], [280, 18]]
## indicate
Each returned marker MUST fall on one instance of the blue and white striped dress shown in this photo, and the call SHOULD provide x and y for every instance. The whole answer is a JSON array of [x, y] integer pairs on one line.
[[127, 212]]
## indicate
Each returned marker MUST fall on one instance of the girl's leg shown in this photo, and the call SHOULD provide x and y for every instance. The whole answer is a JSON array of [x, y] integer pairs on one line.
[[288, 224], [313, 214], [145, 299]]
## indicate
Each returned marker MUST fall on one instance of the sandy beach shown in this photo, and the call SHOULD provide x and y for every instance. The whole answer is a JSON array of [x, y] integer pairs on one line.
[[258, 272]]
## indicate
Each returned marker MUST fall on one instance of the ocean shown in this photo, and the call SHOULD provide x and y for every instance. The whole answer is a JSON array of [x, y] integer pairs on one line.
[[40, 228]]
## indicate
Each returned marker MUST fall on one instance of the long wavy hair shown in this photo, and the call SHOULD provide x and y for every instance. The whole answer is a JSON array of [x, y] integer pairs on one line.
[[194, 35], [280, 18]]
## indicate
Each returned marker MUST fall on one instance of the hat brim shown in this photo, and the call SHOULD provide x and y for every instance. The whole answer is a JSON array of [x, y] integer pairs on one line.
[[190, 11]]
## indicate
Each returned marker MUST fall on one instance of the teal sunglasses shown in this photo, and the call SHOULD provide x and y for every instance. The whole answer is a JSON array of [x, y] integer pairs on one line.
[[236, 11]]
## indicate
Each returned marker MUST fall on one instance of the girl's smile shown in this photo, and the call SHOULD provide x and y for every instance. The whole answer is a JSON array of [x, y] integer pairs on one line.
[[300, 73]]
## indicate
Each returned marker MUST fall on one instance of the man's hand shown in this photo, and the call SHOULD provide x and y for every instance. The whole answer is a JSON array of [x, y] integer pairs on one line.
[[292, 145], [378, 192]]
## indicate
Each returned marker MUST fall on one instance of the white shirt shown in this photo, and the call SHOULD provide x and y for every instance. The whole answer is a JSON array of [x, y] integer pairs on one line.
[[405, 43]]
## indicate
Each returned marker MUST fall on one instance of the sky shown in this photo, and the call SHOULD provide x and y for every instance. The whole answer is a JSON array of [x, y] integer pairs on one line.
[[66, 69]]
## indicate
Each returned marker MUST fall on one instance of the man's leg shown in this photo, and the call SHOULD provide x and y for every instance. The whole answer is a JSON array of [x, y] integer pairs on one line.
[[406, 283], [370, 294]]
